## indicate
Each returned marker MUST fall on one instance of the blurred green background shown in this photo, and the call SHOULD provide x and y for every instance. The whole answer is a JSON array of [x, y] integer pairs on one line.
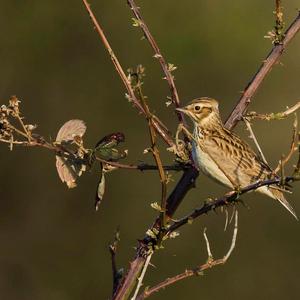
[[53, 244]]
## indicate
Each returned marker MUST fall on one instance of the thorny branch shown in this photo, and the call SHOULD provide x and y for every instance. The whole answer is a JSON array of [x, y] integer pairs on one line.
[[143, 273], [276, 116], [154, 148], [273, 116], [227, 199], [273, 57], [143, 166], [189, 177], [11, 134], [210, 263], [279, 26], [131, 95], [167, 68], [190, 174]]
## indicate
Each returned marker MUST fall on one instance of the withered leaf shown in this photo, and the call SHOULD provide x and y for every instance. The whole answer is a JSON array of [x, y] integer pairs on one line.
[[100, 191], [70, 130], [65, 172], [69, 170]]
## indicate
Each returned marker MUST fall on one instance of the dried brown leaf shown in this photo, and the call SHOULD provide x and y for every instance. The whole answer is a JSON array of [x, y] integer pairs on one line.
[[70, 130], [66, 172], [100, 191]]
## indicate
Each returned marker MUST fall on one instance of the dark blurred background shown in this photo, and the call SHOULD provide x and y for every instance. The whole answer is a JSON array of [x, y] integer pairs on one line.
[[53, 244]]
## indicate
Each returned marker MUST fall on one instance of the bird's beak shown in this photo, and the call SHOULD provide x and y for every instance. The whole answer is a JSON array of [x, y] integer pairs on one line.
[[183, 110]]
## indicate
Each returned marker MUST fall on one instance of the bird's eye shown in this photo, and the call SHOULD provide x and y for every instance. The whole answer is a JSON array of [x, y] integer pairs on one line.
[[197, 108]]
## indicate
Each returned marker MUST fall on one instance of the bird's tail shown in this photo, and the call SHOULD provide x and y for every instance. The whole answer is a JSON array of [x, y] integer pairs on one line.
[[278, 195]]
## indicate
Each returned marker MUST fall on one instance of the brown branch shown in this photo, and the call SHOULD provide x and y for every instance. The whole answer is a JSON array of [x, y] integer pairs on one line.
[[279, 24], [41, 142], [23, 127], [226, 200], [189, 177], [142, 166], [136, 266], [141, 277], [264, 69], [296, 173], [164, 65], [154, 148], [131, 95], [186, 182], [210, 263], [273, 116], [113, 57], [293, 147]]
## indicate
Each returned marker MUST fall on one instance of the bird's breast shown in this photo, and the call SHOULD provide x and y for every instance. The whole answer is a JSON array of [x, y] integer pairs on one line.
[[206, 164]]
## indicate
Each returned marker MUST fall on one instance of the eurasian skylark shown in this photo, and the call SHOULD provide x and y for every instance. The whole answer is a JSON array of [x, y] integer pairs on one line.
[[223, 156]]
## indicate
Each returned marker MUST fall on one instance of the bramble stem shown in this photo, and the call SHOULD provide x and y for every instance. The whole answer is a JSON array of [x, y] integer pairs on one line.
[[245, 100], [131, 95]]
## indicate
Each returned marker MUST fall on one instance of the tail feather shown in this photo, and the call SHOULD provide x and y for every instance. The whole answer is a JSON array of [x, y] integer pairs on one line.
[[278, 195]]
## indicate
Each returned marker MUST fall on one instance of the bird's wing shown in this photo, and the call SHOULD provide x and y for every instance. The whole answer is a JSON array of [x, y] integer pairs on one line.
[[235, 158]]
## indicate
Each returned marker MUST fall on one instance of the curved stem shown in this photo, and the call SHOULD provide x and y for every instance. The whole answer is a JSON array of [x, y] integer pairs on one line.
[[131, 95], [164, 65], [243, 103]]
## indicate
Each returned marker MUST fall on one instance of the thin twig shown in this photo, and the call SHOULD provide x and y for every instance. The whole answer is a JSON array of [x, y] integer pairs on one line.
[[293, 147], [131, 95], [296, 172], [232, 215], [226, 219], [291, 110], [209, 253], [273, 116], [164, 65], [198, 270], [279, 25], [155, 152], [243, 103], [24, 143], [235, 231], [252, 135], [141, 278], [113, 57], [142, 166], [18, 131], [23, 126]]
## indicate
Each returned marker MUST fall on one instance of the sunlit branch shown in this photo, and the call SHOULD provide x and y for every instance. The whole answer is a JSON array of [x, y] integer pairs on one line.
[[210, 263]]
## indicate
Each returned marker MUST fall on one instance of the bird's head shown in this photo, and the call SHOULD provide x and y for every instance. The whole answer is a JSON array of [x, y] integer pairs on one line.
[[203, 112]]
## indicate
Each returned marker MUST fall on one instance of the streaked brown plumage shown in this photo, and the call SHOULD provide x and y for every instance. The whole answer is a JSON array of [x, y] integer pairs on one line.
[[222, 155]]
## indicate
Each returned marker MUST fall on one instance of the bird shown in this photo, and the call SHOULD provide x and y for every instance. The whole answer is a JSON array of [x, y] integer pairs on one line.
[[223, 156]]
